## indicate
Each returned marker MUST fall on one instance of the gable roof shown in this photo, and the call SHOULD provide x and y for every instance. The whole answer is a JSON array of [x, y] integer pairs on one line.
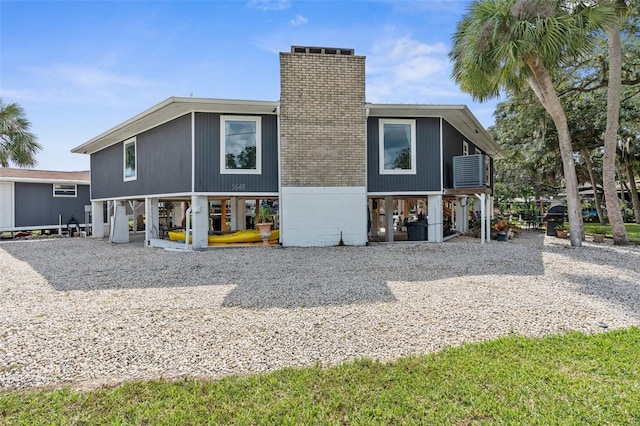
[[167, 110], [459, 116], [43, 176]]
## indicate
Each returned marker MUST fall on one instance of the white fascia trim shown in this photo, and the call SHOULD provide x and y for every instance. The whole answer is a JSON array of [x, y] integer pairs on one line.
[[142, 197], [55, 181], [190, 194], [248, 195], [404, 193]]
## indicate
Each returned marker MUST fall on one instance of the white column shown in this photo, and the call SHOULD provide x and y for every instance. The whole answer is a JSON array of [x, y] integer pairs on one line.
[[152, 216], [489, 210], [240, 214], [435, 218], [119, 231], [200, 221], [388, 219], [483, 213], [97, 219]]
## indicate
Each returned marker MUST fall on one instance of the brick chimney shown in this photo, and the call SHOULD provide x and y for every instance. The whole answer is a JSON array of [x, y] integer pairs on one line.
[[322, 146]]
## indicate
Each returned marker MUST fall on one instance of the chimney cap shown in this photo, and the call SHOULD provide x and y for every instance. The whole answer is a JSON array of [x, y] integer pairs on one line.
[[322, 50]]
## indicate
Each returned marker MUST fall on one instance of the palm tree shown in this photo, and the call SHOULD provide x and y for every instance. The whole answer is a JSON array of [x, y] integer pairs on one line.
[[614, 88], [509, 44], [17, 144]]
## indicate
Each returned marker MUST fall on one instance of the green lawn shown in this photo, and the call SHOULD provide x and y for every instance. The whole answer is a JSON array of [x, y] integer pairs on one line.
[[565, 379], [633, 230]]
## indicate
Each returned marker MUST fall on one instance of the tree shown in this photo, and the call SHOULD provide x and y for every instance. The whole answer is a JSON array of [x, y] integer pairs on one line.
[[17, 144], [506, 44], [614, 89]]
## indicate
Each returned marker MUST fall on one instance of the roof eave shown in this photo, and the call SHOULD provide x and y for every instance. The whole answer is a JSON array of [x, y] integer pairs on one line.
[[170, 109], [459, 116]]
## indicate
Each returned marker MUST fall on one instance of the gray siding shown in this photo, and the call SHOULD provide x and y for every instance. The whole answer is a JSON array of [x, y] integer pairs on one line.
[[451, 147], [207, 158], [164, 163], [427, 177], [35, 204]]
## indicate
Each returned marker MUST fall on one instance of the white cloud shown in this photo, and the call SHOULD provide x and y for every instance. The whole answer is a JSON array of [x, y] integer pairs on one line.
[[269, 4], [79, 83], [408, 71], [299, 20]]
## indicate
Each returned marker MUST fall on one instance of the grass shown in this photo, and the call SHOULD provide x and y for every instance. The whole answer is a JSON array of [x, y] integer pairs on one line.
[[633, 230], [565, 379]]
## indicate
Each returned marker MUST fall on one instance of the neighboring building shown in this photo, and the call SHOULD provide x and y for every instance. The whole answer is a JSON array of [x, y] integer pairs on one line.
[[38, 199], [329, 158]]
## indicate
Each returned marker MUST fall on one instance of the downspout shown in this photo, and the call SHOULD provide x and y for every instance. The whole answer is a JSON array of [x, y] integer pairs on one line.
[[187, 227], [282, 218]]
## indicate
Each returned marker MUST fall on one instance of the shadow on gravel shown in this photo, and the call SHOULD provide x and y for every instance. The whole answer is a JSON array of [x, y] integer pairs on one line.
[[275, 277]]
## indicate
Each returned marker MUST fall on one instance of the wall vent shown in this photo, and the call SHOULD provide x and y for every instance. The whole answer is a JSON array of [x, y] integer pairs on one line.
[[470, 171], [322, 50]]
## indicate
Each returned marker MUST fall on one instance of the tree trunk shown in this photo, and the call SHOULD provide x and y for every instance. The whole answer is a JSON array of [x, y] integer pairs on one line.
[[592, 178], [635, 200], [618, 230], [542, 86]]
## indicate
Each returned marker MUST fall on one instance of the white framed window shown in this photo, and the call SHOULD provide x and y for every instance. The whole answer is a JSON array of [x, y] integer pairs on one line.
[[130, 159], [465, 148], [397, 146], [477, 151], [240, 144], [65, 190]]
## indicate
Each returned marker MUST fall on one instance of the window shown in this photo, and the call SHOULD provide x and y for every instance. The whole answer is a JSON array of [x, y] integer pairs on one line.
[[240, 145], [465, 148], [397, 146], [130, 160], [65, 190], [477, 151]]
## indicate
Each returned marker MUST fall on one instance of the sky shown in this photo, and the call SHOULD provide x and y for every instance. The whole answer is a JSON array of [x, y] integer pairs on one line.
[[80, 68]]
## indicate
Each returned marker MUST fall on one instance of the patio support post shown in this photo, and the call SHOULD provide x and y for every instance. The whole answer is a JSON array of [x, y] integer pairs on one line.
[[97, 219], [152, 219], [200, 221], [483, 213], [489, 213], [388, 219], [434, 218]]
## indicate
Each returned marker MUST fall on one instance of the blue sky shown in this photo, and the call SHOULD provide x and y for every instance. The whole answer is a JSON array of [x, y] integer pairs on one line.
[[79, 68]]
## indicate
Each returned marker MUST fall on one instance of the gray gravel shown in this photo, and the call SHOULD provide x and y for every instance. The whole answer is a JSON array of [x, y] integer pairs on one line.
[[86, 313]]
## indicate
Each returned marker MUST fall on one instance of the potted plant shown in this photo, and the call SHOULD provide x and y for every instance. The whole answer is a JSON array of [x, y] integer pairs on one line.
[[598, 234], [265, 220], [500, 227], [562, 230]]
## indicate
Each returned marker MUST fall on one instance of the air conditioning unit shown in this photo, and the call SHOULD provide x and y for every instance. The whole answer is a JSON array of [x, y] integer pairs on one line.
[[471, 171]]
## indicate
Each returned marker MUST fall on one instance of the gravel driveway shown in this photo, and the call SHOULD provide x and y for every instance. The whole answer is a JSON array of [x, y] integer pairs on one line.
[[87, 313]]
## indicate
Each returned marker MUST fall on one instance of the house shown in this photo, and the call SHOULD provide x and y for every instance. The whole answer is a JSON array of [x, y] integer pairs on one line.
[[42, 200], [330, 160]]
